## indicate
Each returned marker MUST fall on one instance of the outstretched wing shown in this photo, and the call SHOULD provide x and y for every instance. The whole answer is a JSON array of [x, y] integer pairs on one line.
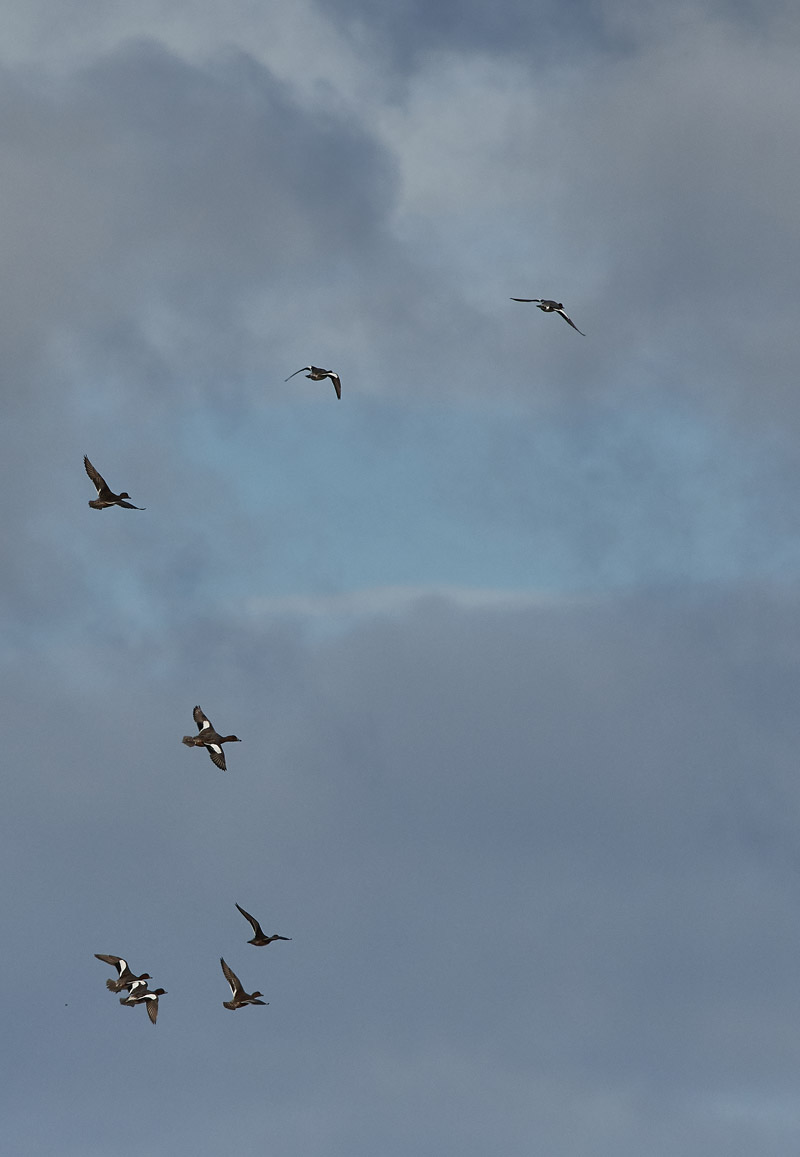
[[256, 926], [536, 299], [97, 479], [297, 372], [217, 755], [337, 385], [231, 977], [570, 322], [201, 720], [115, 962]]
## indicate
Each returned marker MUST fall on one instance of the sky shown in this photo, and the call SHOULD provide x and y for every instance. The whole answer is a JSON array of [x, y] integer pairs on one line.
[[510, 634]]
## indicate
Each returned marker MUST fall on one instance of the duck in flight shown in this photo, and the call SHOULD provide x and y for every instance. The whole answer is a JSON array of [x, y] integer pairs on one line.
[[548, 306], [239, 997], [125, 978], [209, 738], [259, 938], [138, 995], [105, 495], [316, 374]]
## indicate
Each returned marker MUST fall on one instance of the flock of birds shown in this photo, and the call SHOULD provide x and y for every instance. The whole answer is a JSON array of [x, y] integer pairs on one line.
[[136, 988], [138, 992]]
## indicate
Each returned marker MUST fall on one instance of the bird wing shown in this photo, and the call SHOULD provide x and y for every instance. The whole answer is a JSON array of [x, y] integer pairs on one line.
[[152, 1008], [297, 372], [115, 962], [200, 719], [537, 299], [231, 977], [98, 479], [129, 505], [570, 322], [217, 755], [337, 385], [256, 926]]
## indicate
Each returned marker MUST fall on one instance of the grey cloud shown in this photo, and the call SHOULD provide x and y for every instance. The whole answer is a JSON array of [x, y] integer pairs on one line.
[[538, 863], [145, 181], [541, 33], [555, 843], [192, 225]]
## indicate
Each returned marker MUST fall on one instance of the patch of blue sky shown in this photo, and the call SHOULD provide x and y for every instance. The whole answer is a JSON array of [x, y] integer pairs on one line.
[[353, 496]]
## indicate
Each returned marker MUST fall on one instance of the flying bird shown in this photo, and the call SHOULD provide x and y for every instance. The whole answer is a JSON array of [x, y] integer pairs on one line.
[[147, 997], [105, 495], [125, 978], [548, 306], [259, 938], [240, 997], [316, 374], [136, 988], [209, 738]]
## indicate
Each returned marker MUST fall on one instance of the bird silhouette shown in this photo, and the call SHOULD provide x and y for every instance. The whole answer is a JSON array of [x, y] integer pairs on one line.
[[548, 306], [316, 374], [105, 495]]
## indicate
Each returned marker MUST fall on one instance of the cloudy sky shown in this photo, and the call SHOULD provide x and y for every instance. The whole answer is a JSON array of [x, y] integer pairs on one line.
[[510, 634]]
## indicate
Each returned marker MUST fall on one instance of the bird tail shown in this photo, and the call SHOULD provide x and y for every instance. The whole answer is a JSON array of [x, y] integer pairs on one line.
[[111, 985], [188, 740]]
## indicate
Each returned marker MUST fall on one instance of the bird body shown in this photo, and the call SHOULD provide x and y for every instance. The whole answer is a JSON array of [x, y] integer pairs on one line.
[[209, 738], [148, 998], [135, 989], [239, 997], [548, 306], [125, 978], [259, 938], [105, 495], [317, 374]]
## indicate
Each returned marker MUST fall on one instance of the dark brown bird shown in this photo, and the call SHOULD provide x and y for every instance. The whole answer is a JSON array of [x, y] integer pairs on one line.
[[316, 374], [105, 495], [548, 306], [259, 939], [125, 978], [139, 996], [209, 738], [239, 998]]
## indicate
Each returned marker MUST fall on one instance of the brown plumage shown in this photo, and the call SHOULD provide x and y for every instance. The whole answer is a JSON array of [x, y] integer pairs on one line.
[[125, 978], [209, 738], [259, 939], [239, 997], [105, 495], [146, 997]]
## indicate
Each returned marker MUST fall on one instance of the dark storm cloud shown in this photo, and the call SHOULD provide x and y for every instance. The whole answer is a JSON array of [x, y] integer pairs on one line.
[[142, 176]]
